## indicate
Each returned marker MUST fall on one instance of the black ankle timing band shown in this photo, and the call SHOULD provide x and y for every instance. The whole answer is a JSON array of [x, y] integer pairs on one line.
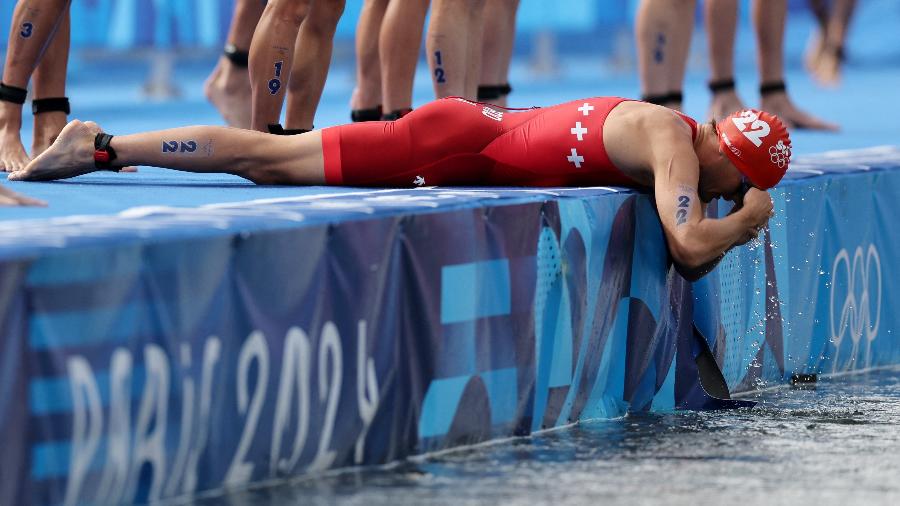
[[277, 129], [58, 104], [13, 94], [235, 56], [493, 91], [675, 97], [774, 87], [395, 115], [721, 85], [363, 115], [104, 154]]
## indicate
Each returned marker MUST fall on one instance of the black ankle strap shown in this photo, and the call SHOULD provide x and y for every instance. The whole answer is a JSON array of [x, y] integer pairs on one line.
[[395, 115], [236, 56], [277, 129], [675, 97], [104, 154], [13, 94], [493, 91], [59, 104], [721, 85], [361, 115], [774, 87]]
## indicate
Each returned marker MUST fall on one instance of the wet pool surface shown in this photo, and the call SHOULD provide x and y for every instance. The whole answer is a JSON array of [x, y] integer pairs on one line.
[[838, 443]]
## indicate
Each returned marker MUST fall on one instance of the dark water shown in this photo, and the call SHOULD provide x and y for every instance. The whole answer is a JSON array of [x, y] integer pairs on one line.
[[836, 444]]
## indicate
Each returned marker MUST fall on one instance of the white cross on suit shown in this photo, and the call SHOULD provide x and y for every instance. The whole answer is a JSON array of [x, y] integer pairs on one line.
[[579, 131], [574, 158], [586, 108]]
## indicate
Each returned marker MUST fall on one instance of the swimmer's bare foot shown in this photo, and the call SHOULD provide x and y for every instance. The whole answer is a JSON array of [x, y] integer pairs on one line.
[[11, 198], [12, 153], [723, 104], [71, 155], [228, 88], [780, 105], [47, 126]]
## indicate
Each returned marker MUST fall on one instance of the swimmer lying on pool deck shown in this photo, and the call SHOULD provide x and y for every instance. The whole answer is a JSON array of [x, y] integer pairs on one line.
[[589, 142]]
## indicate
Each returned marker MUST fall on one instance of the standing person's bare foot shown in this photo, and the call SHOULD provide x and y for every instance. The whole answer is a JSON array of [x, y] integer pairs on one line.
[[12, 153], [228, 88], [724, 103], [779, 104], [47, 126], [71, 155], [828, 69], [813, 53]]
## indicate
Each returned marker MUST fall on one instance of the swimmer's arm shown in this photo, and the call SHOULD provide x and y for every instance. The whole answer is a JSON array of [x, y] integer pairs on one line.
[[697, 243]]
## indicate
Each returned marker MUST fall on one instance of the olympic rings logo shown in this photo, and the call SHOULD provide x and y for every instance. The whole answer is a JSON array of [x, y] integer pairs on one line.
[[780, 154], [863, 282]]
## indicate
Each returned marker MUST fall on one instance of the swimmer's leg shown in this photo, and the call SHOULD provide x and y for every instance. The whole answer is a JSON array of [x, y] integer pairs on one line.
[[228, 87], [272, 57], [257, 156], [50, 82], [453, 47], [769, 18], [366, 102], [312, 57], [721, 28], [663, 31], [399, 44], [497, 46], [33, 24]]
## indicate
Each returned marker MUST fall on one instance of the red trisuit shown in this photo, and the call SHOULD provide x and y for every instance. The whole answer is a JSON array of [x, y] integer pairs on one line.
[[457, 142]]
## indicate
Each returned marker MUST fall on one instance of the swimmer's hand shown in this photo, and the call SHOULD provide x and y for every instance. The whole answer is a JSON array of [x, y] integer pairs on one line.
[[11, 198], [72, 154], [756, 209]]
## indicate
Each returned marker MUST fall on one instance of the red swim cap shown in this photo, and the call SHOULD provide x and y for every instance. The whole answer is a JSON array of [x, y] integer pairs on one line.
[[758, 144]]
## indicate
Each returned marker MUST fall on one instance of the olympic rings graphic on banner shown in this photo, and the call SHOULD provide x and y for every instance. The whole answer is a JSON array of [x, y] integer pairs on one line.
[[856, 312]]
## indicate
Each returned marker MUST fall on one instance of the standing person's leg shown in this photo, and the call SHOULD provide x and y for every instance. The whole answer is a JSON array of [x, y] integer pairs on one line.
[[664, 30], [228, 87], [272, 57], [721, 29], [499, 39], [33, 24], [831, 59], [475, 46], [769, 18], [312, 58], [50, 105], [814, 48], [454, 47], [399, 44], [366, 104]]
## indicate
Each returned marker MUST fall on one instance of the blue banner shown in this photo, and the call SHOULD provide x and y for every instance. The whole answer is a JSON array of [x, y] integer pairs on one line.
[[163, 352]]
